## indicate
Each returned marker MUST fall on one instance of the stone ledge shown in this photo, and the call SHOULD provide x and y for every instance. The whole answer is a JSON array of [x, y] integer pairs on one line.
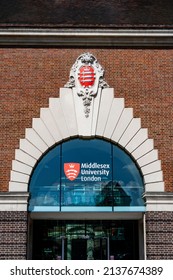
[[158, 201], [86, 37], [14, 201]]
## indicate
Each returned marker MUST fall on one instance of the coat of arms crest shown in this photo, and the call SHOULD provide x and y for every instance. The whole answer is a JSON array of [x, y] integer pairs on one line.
[[86, 76]]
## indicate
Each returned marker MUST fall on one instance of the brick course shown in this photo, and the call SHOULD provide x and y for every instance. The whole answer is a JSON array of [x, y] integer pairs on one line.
[[13, 235], [159, 235], [29, 76]]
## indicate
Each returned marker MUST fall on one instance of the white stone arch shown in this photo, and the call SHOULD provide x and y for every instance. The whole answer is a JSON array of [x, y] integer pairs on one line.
[[108, 118]]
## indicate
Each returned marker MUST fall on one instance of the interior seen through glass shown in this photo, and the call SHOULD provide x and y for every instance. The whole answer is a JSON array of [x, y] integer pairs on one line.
[[85, 240]]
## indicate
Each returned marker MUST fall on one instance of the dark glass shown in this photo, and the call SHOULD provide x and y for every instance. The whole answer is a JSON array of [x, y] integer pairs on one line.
[[85, 240], [79, 249], [123, 235]]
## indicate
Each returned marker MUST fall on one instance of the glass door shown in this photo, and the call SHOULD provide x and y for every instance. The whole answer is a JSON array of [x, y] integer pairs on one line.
[[101, 248], [85, 240], [86, 248], [79, 249], [47, 249]]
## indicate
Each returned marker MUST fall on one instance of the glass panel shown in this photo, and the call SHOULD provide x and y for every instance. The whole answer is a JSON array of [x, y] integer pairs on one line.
[[45, 181], [127, 183], [79, 249], [124, 240], [86, 240], [47, 241], [100, 249], [86, 174]]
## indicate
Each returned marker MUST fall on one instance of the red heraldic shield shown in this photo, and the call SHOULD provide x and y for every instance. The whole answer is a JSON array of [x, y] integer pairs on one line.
[[71, 170], [86, 76]]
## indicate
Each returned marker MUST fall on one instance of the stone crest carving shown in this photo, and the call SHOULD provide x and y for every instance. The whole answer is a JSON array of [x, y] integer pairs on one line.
[[86, 76]]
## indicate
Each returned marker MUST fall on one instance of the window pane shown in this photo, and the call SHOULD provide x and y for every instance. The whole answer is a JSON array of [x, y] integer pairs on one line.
[[45, 181], [127, 183], [86, 173]]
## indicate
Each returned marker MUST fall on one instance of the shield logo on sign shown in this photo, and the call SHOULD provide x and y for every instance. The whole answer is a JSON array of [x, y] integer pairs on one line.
[[71, 170]]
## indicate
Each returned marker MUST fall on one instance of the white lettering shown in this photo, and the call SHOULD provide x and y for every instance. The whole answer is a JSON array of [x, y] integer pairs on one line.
[[95, 172], [93, 178], [95, 169], [95, 165]]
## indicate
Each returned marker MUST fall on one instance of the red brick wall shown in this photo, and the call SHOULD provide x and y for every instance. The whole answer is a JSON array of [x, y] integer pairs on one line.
[[13, 235], [159, 235], [29, 76]]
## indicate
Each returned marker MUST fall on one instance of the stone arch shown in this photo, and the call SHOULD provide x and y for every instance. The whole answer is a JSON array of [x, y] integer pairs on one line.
[[108, 119]]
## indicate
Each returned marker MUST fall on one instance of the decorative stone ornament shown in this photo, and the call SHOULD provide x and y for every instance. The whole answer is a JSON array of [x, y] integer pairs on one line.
[[86, 76], [105, 117]]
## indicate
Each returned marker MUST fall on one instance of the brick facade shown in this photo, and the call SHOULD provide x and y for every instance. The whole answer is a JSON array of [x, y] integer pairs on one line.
[[29, 76], [13, 235], [159, 235]]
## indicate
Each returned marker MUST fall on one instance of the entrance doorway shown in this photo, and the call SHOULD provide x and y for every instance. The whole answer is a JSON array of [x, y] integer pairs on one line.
[[85, 240], [79, 249]]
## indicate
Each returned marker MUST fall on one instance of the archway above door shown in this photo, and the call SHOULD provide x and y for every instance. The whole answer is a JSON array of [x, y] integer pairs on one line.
[[87, 114]]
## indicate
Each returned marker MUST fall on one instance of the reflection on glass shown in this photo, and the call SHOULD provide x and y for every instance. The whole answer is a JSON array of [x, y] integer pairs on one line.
[[86, 173], [93, 158], [128, 184], [45, 181], [97, 240]]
